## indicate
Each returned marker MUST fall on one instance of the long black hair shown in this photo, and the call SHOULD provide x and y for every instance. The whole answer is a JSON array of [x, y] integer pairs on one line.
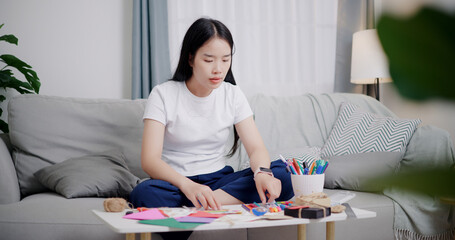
[[200, 32]]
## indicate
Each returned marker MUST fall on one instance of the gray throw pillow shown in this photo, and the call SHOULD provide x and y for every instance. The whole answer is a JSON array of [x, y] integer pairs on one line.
[[352, 171], [99, 175]]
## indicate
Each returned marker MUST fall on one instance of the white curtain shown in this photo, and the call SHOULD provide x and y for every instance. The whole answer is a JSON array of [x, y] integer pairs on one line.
[[284, 47]]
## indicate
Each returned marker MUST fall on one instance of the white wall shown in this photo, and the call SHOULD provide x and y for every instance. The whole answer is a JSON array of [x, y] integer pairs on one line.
[[78, 48]]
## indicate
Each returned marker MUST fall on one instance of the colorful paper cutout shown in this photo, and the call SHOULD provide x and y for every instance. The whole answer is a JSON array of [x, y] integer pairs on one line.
[[171, 222], [195, 219], [151, 214], [206, 215]]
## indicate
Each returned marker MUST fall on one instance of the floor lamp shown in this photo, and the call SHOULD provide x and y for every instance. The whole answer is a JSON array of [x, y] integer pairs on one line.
[[368, 63]]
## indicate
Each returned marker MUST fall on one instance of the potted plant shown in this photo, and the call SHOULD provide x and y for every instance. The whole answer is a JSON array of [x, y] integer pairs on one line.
[[9, 80], [421, 53]]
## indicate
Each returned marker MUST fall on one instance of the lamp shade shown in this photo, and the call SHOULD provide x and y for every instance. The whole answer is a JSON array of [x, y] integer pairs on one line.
[[368, 59]]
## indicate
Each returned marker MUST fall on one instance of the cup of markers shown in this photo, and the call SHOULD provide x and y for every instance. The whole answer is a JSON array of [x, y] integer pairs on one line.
[[306, 179]]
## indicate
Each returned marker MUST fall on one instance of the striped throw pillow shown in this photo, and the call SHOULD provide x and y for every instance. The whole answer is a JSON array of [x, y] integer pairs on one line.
[[357, 131]]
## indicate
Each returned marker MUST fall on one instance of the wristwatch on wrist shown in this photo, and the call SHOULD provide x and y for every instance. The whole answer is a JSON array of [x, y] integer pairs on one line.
[[263, 170]]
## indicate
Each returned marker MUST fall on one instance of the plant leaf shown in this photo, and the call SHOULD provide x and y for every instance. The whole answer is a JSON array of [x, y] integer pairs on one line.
[[24, 68], [9, 38], [4, 126], [437, 182], [14, 61], [421, 53], [7, 80]]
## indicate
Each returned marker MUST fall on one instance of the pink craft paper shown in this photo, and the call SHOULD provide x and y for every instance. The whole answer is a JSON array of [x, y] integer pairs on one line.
[[206, 215], [188, 219], [150, 214]]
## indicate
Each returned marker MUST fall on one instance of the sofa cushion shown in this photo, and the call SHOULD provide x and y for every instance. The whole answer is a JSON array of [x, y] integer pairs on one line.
[[358, 131], [45, 130], [352, 171], [99, 175], [8, 178], [49, 215], [52, 216]]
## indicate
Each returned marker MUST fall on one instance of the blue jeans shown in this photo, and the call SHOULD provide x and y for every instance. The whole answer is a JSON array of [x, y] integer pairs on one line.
[[240, 185]]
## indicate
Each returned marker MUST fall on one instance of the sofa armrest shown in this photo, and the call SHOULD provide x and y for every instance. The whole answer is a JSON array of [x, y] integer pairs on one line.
[[429, 146], [9, 185]]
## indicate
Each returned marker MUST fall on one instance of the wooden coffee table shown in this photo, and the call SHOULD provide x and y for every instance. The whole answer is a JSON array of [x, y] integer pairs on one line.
[[131, 227]]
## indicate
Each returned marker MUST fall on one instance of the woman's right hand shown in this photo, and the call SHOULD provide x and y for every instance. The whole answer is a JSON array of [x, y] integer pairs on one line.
[[200, 195]]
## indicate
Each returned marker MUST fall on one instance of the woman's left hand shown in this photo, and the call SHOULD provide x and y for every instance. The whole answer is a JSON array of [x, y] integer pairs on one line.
[[265, 182]]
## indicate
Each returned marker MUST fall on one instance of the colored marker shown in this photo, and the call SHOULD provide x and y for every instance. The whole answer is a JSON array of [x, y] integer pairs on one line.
[[301, 168], [311, 169], [325, 166], [292, 169], [296, 166]]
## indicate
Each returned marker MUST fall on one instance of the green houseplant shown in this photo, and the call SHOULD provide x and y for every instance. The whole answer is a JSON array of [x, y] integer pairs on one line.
[[421, 53], [8, 79]]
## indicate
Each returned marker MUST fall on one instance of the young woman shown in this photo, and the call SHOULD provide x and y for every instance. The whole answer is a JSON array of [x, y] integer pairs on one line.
[[186, 125]]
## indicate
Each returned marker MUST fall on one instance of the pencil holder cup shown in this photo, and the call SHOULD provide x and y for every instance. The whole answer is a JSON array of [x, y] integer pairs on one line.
[[307, 184]]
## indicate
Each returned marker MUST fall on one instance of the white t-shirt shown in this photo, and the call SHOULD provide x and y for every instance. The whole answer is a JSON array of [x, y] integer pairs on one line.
[[196, 128]]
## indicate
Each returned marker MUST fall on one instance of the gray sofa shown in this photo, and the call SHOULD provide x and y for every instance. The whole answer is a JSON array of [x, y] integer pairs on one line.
[[46, 130]]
